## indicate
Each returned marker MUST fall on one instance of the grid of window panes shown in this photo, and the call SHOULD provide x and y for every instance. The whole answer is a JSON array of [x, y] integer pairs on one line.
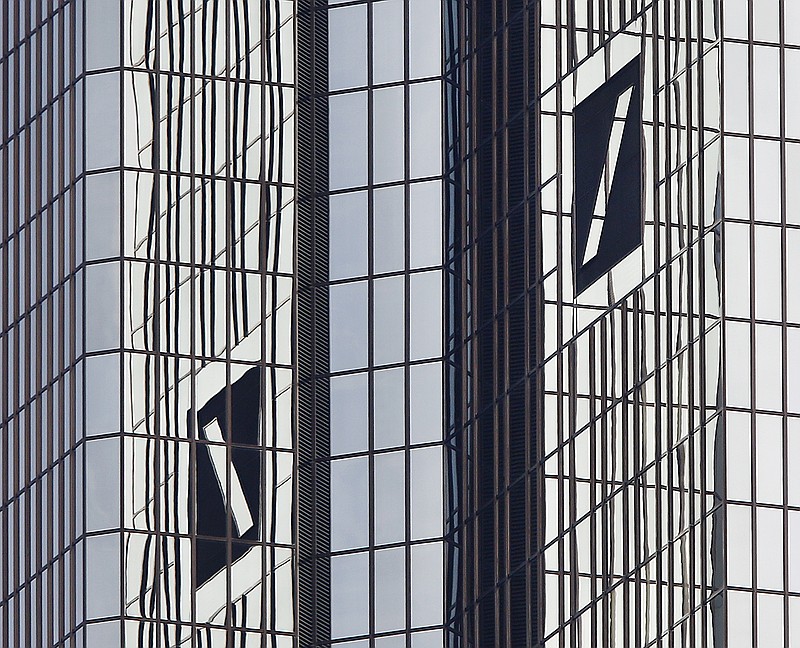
[[40, 302], [386, 310], [761, 60], [189, 231], [631, 455]]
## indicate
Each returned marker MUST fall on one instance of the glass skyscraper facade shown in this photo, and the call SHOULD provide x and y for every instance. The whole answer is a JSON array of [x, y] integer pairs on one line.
[[400, 324]]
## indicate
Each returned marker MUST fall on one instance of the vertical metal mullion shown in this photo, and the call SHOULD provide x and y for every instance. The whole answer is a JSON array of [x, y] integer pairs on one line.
[[753, 327], [193, 297], [371, 322], [27, 405], [5, 310], [229, 287], [406, 314]]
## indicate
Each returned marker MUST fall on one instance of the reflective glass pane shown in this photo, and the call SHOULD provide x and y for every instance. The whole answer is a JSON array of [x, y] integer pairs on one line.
[[388, 151], [349, 503], [102, 34], [429, 639], [348, 248], [349, 595], [103, 635], [390, 591], [426, 129], [425, 210], [348, 140], [389, 320], [426, 585], [390, 497], [426, 315], [426, 403], [426, 493], [348, 326], [349, 413], [102, 484], [387, 41], [102, 394], [425, 38], [393, 641], [102, 216], [102, 576], [389, 408], [389, 229], [347, 47], [769, 459], [102, 324], [102, 115]]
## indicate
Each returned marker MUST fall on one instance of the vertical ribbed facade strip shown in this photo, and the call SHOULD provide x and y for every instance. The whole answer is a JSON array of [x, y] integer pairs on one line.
[[41, 322], [494, 328]]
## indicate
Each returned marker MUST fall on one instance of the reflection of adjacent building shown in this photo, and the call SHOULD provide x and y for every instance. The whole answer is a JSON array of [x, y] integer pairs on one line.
[[589, 329], [206, 322], [399, 323]]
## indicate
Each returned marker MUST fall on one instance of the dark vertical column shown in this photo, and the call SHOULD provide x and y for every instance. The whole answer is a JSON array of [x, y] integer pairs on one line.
[[501, 533], [313, 401], [456, 42]]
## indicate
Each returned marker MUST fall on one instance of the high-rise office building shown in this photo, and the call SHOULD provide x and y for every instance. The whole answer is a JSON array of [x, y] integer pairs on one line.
[[400, 324]]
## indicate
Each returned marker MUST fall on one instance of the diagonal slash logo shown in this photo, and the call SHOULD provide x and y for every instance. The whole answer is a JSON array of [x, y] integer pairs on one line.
[[224, 483], [607, 224]]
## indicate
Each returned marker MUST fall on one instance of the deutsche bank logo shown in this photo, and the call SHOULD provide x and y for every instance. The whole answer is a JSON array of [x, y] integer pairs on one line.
[[607, 225], [223, 484]]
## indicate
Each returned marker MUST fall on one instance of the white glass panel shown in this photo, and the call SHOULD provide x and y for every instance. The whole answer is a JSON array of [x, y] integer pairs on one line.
[[388, 134], [349, 595], [349, 503], [347, 47], [348, 140], [349, 413], [426, 493], [427, 588], [387, 41]]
